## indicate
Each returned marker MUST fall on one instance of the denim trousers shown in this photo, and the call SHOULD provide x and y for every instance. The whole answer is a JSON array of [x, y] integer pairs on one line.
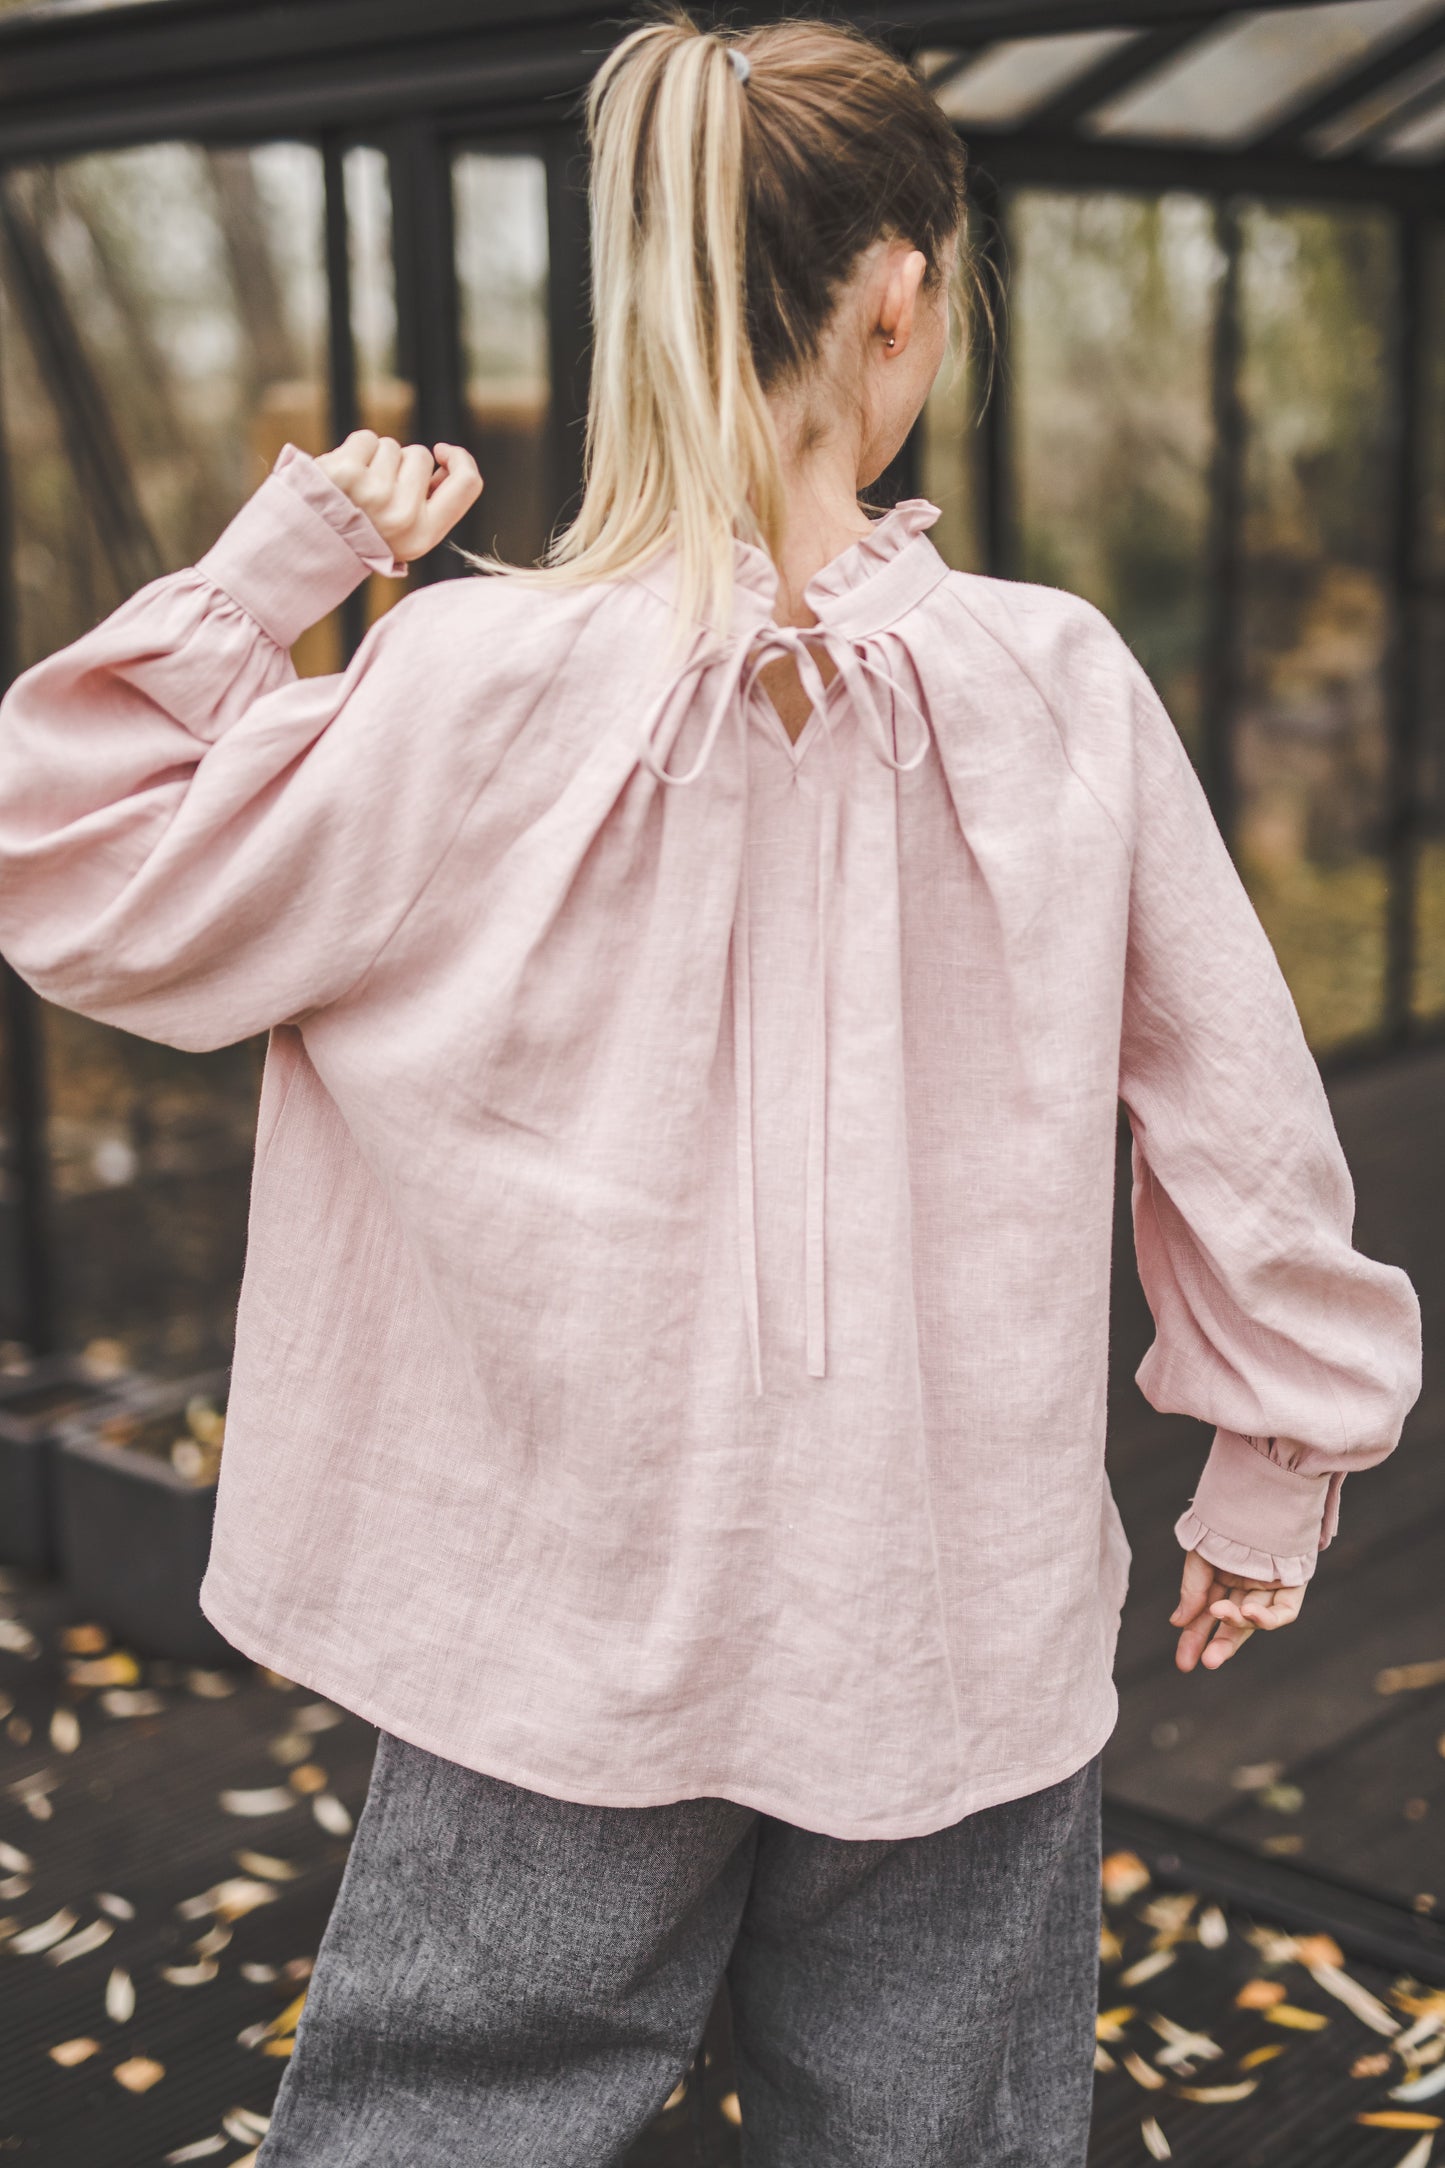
[[513, 1981]]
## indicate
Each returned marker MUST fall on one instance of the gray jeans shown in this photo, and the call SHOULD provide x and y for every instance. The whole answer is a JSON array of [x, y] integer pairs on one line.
[[515, 1980]]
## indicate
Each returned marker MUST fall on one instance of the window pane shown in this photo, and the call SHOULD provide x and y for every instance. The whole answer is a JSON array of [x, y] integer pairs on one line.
[[1311, 737], [385, 401], [1111, 311], [162, 333], [1234, 81], [1429, 992], [500, 209], [1006, 82]]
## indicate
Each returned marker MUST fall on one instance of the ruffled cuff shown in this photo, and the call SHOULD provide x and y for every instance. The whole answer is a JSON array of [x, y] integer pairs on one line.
[[296, 549], [1288, 1517]]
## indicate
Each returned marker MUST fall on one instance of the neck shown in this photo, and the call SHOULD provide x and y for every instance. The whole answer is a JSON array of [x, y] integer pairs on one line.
[[821, 515]]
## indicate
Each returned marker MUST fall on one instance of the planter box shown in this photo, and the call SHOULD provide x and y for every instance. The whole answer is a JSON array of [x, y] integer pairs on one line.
[[35, 1404], [134, 1531]]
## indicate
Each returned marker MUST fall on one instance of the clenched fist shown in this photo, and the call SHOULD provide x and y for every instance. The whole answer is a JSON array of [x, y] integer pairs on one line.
[[413, 497]]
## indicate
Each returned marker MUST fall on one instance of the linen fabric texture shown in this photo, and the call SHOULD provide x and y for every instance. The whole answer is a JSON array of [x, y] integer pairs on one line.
[[514, 1980], [672, 1353]]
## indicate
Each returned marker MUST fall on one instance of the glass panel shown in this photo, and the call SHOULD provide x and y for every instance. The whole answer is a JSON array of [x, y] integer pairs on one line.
[[1350, 129], [949, 438], [500, 210], [1111, 309], [385, 401], [1007, 81], [1429, 991], [162, 333], [1424, 136], [1234, 81], [1311, 737]]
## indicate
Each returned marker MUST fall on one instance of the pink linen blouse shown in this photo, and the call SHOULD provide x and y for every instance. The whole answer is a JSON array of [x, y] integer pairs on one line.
[[672, 1352]]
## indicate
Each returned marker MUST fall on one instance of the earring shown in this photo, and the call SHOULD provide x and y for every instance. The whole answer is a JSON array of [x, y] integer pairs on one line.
[[890, 342]]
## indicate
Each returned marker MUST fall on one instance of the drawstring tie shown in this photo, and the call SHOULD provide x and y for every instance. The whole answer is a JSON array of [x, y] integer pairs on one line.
[[740, 670]]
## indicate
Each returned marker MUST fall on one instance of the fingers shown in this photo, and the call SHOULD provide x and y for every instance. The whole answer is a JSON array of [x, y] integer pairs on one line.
[[453, 494], [1218, 1612]]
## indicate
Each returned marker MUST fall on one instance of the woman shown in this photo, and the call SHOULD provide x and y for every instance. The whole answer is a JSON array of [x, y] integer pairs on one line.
[[669, 1389]]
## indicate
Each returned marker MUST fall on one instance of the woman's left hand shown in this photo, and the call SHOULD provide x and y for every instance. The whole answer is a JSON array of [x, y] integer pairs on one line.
[[413, 497], [1228, 1606]]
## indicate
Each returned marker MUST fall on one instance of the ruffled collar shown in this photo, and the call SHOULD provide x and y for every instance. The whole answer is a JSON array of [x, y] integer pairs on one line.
[[859, 591]]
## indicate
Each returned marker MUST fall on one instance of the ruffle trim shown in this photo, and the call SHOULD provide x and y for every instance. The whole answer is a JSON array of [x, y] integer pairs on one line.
[[1196, 1535], [855, 566], [315, 487]]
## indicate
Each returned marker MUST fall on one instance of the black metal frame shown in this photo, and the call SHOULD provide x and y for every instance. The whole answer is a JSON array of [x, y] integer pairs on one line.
[[418, 82]]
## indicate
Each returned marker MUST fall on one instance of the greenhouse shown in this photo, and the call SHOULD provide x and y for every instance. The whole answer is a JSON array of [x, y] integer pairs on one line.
[[1211, 256]]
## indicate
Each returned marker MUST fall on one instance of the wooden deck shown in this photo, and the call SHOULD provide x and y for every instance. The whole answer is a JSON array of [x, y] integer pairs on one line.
[[1367, 1765]]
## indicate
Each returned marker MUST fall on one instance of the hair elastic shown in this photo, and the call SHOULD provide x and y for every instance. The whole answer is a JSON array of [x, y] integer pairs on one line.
[[742, 66]]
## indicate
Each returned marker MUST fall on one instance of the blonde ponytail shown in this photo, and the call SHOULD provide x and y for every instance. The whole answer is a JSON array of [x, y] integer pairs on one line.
[[728, 203]]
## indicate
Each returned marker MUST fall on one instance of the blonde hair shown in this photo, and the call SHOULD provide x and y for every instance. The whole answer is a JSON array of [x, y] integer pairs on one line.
[[728, 206]]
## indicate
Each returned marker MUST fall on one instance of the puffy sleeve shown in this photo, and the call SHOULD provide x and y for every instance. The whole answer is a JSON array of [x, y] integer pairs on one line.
[[1302, 1353], [196, 843]]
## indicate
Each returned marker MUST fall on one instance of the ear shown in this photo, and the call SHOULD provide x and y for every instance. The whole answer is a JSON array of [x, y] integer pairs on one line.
[[897, 310]]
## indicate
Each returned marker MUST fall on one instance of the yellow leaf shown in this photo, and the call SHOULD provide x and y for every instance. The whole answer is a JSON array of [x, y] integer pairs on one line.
[[1259, 1994], [1288, 2013], [730, 2109], [1261, 2055], [1398, 2119], [138, 2074], [70, 2052], [1109, 2024], [277, 2047], [1213, 2095]]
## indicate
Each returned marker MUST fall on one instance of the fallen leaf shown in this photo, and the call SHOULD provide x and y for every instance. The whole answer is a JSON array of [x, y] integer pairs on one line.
[[14, 1861], [728, 2106], [1367, 2007], [1268, 2054], [277, 2047], [190, 1975], [1259, 1994], [1142, 2073], [198, 2151], [211, 1685], [260, 1975], [228, 1900], [119, 1908], [269, 1869], [1418, 2155], [83, 1640], [138, 2074], [120, 1997], [1146, 1968], [1282, 1798], [1155, 2142], [13, 1886], [1103, 2060], [1319, 1950], [331, 1814], [1253, 1776], [1424, 2088], [65, 1731], [1109, 2024], [45, 1934], [1213, 1928], [309, 1778], [1289, 2014], [1397, 2119], [1370, 2066], [1123, 1875], [1216, 2095], [118, 1669], [128, 1701], [272, 1801], [1405, 1678], [90, 1938], [212, 1941], [70, 2052], [317, 1716]]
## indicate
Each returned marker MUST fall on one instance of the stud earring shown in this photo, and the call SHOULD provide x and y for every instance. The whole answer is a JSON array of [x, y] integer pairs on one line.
[[890, 342]]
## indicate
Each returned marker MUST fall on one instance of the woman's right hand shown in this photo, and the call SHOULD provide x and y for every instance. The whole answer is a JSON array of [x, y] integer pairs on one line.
[[413, 497]]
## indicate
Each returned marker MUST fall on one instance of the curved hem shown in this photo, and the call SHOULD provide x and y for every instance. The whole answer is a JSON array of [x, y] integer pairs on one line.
[[924, 1824], [1196, 1535]]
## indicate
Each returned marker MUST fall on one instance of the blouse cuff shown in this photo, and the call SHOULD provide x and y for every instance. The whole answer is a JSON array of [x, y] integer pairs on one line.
[[296, 549], [1283, 1518]]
